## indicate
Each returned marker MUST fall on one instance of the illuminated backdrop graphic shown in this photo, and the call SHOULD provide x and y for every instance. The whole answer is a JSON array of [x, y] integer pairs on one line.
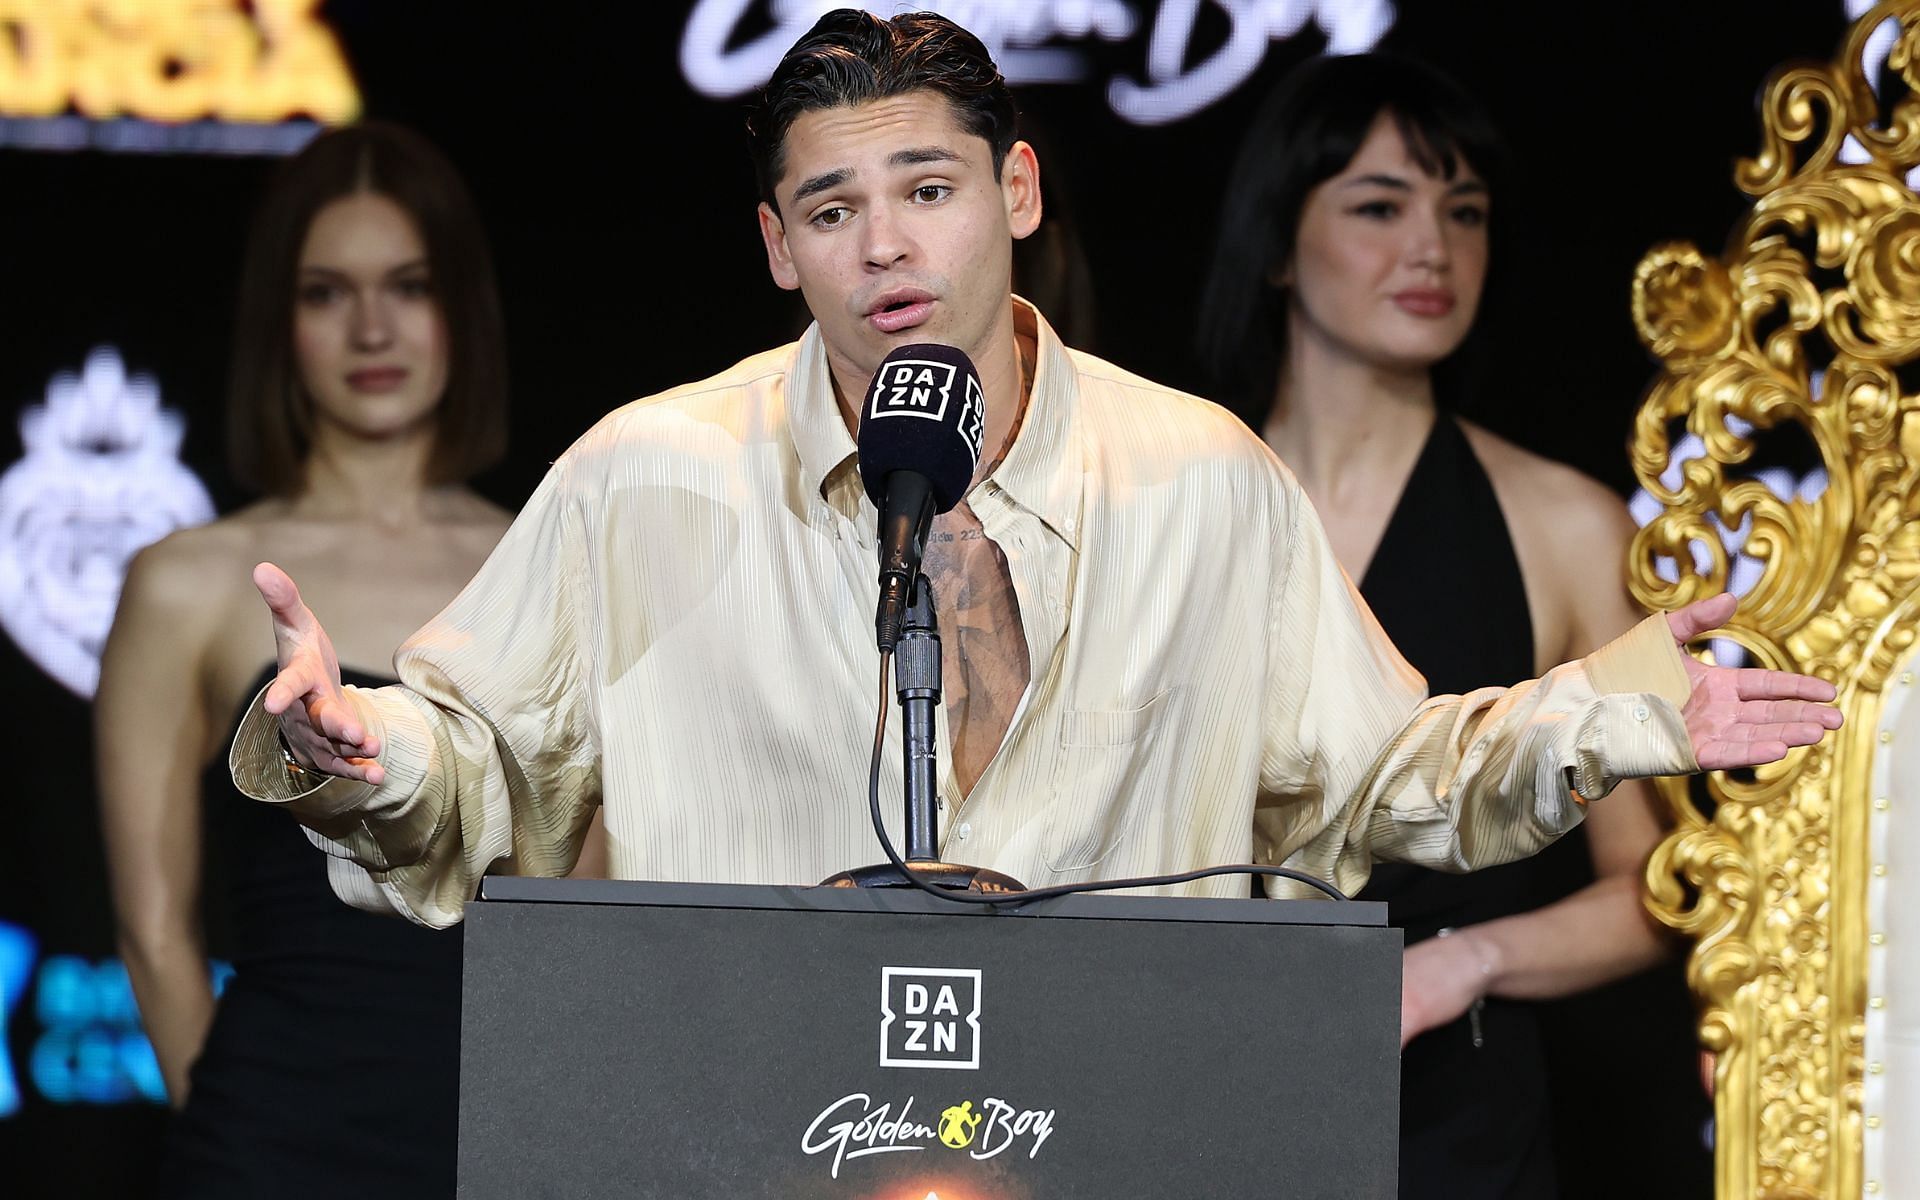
[[100, 478], [170, 76]]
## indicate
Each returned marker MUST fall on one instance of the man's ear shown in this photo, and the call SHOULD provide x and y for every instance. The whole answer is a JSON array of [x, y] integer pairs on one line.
[[1020, 187], [773, 231]]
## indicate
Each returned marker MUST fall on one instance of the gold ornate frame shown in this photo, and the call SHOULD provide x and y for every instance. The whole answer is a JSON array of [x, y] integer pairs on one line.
[[1772, 885]]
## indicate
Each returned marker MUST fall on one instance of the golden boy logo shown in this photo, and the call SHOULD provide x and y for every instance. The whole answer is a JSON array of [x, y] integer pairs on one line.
[[957, 1125], [860, 1125]]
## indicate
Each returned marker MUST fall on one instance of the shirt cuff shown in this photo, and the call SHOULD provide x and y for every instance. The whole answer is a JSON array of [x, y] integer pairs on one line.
[[1644, 659], [1633, 735], [260, 772], [1638, 731]]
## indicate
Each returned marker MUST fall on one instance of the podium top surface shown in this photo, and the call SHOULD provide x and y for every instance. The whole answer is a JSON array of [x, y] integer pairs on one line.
[[1096, 907]]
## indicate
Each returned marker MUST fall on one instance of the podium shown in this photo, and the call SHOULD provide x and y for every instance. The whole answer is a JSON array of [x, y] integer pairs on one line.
[[694, 1041]]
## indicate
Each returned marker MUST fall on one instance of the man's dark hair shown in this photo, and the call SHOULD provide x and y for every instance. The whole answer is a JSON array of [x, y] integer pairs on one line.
[[1306, 132], [852, 57], [268, 412]]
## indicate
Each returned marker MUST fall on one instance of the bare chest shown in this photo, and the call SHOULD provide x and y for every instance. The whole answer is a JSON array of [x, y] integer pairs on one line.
[[983, 644]]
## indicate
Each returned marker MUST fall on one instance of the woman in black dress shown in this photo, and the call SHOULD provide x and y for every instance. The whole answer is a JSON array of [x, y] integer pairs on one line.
[[1352, 254], [368, 385]]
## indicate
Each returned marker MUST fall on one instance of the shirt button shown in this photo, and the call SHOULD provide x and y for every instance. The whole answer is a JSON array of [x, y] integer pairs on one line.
[[965, 831], [1641, 712]]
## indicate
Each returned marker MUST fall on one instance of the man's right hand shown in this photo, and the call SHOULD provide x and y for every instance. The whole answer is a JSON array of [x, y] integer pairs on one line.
[[322, 726]]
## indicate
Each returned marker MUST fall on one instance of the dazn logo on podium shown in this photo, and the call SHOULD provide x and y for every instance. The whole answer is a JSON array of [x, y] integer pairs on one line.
[[930, 1017]]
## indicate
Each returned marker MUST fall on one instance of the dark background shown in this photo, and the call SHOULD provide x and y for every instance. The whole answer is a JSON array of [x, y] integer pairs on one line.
[[620, 203]]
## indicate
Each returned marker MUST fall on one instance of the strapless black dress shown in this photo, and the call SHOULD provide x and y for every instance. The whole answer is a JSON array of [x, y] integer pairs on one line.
[[332, 1067]]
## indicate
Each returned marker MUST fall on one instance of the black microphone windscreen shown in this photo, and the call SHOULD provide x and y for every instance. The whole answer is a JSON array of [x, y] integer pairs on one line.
[[925, 413]]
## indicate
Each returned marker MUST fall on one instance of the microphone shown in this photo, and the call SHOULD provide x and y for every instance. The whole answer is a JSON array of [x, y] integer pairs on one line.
[[920, 432]]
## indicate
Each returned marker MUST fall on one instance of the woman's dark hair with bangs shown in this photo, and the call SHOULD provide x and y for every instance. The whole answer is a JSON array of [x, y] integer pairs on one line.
[[269, 415], [1306, 132], [851, 57]]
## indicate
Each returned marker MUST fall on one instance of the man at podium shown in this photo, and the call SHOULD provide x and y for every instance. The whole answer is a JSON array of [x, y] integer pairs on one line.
[[1154, 662]]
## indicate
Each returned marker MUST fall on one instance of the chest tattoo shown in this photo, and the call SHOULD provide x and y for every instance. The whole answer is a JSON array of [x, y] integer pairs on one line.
[[983, 646]]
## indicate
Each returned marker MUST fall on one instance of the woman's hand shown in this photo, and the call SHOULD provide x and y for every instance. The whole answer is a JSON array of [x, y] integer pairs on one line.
[[1440, 979]]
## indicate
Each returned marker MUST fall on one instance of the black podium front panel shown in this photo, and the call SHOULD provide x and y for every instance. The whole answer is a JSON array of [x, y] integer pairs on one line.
[[692, 1041]]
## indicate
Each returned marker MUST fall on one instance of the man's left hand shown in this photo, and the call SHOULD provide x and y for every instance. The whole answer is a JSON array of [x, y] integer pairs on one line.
[[1742, 717]]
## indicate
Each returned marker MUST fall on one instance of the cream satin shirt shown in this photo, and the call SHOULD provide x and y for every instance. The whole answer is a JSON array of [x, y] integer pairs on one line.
[[679, 628]]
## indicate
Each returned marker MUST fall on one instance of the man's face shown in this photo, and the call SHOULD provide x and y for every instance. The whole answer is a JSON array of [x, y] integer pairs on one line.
[[893, 227]]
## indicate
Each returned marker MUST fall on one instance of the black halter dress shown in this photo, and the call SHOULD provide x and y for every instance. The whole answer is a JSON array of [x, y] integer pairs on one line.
[[1475, 1116]]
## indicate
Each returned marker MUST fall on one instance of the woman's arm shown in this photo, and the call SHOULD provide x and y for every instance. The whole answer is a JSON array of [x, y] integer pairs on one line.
[[1598, 934], [1601, 932], [151, 731]]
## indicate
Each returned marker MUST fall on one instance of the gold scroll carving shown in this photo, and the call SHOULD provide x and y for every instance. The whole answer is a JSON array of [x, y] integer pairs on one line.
[[1807, 322]]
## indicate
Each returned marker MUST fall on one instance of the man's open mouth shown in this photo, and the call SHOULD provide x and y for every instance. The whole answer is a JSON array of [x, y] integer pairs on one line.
[[896, 311]]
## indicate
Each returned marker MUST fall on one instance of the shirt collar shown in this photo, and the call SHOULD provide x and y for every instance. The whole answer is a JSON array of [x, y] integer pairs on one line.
[[819, 434], [1042, 469]]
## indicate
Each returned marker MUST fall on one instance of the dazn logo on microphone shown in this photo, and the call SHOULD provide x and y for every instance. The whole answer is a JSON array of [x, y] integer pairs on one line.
[[913, 387]]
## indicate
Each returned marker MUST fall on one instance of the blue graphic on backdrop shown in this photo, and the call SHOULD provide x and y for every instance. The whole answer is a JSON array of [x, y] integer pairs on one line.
[[90, 1047], [16, 967], [93, 1050]]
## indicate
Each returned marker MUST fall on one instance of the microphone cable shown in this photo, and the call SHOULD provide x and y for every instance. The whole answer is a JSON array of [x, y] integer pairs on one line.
[[1046, 893]]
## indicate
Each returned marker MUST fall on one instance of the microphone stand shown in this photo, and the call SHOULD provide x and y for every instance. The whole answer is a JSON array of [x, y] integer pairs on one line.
[[916, 679]]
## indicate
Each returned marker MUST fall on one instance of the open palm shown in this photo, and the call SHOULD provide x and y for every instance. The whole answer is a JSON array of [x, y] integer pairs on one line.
[[1742, 717], [320, 726]]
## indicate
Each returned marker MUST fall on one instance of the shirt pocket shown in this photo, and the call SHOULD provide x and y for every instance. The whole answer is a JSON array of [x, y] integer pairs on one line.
[[1095, 805]]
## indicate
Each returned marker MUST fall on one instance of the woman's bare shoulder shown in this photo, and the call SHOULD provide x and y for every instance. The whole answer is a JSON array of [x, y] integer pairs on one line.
[[1574, 505], [202, 574], [196, 556], [1572, 533], [180, 597]]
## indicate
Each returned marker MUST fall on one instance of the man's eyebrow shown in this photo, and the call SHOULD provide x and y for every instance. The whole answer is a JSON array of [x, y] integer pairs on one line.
[[913, 156], [925, 154], [820, 183]]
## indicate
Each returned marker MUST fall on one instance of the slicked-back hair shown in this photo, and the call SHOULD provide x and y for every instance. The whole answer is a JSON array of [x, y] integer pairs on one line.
[[269, 415], [851, 57], [1305, 133]]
